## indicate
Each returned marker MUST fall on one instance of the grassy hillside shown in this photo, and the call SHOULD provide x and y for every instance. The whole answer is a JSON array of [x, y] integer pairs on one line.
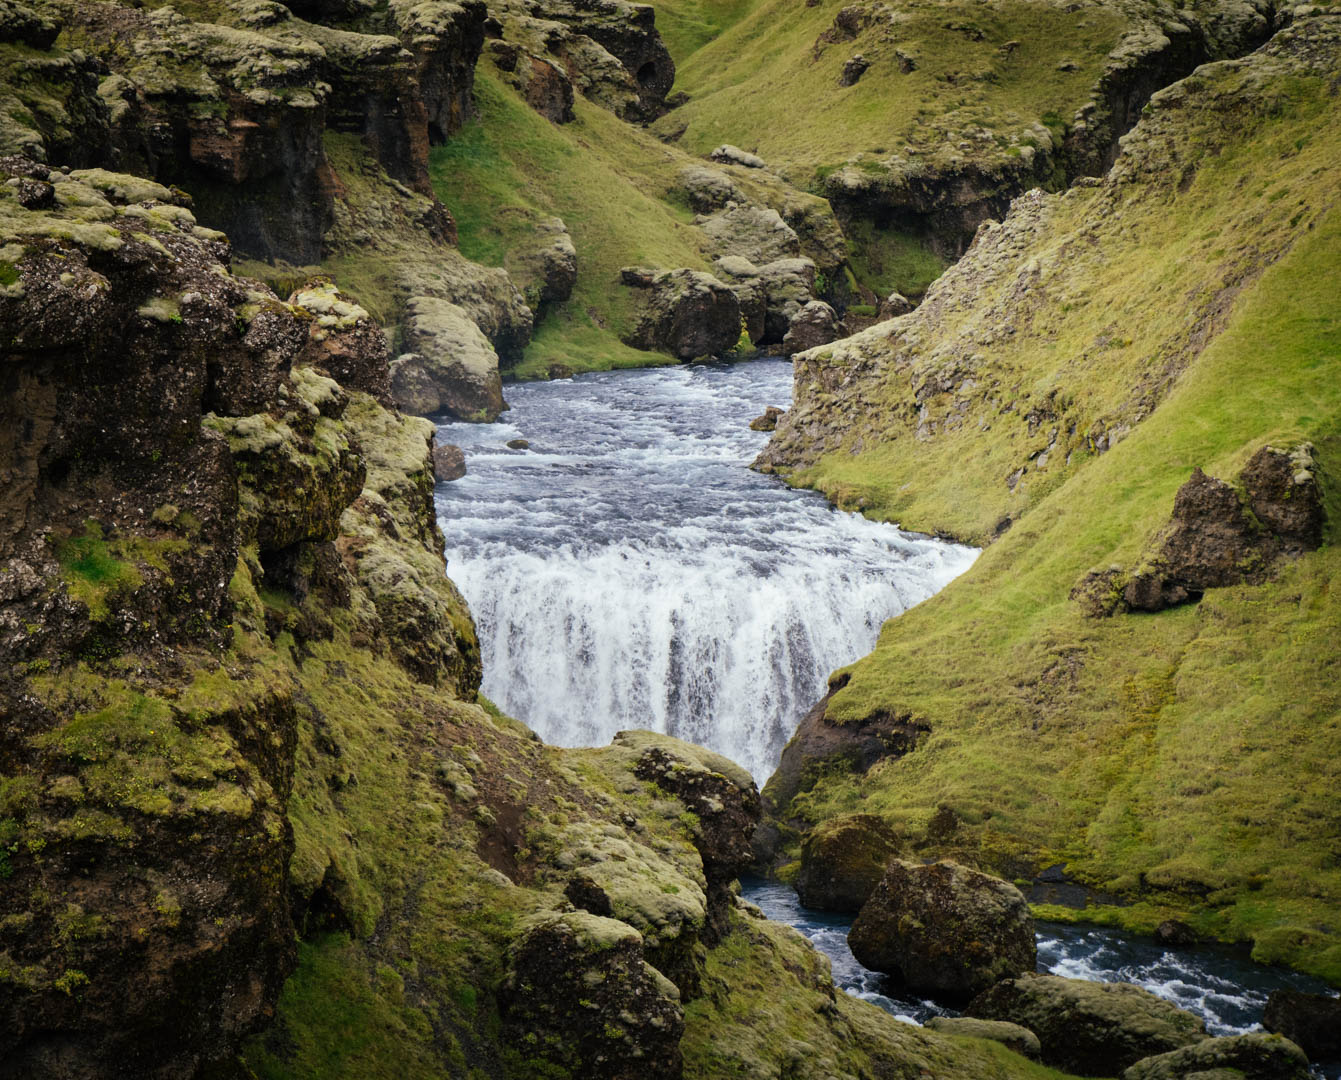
[[1186, 760]]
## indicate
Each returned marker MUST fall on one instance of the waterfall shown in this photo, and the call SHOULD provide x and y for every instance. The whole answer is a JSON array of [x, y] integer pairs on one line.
[[629, 571]]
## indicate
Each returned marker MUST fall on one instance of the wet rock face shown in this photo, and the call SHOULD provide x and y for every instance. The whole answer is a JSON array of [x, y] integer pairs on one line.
[[944, 929], [843, 861], [1312, 1021], [686, 313], [1217, 537], [1089, 1028], [1243, 1057], [579, 995]]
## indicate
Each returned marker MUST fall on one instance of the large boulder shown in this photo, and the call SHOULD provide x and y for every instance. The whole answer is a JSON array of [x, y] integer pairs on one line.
[[1021, 1040], [686, 313], [579, 995], [457, 358], [843, 860], [1090, 1028], [1239, 1057], [343, 340], [1313, 1021], [412, 387], [758, 233], [544, 263], [814, 325], [945, 930]]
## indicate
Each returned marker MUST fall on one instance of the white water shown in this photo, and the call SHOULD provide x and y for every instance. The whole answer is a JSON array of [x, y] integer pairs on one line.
[[629, 571]]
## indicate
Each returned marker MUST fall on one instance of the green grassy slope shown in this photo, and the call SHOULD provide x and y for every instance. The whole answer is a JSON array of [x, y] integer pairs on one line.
[[768, 84], [1187, 760]]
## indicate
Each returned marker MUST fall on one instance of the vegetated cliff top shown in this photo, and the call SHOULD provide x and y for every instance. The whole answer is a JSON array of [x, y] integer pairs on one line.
[[1051, 395]]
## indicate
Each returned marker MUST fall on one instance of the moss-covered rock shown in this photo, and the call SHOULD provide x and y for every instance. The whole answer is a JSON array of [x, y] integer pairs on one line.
[[1089, 1028], [1023, 1041], [1252, 1057], [686, 313], [843, 860], [944, 929], [456, 357]]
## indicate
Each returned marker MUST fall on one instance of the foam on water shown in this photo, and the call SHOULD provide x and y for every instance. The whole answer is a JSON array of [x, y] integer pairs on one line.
[[629, 570]]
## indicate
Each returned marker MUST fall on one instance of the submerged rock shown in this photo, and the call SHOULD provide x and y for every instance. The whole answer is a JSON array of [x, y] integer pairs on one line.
[[1254, 1056], [843, 860], [768, 421], [944, 929], [1312, 1021], [1090, 1028]]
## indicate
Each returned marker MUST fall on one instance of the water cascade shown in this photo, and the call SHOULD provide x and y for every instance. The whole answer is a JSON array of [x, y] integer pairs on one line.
[[628, 570]]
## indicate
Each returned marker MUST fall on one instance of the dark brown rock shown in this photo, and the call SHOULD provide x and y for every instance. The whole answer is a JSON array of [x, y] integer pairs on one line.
[[579, 995], [815, 324], [944, 929], [843, 861], [1284, 494], [1175, 934], [686, 313], [1090, 1028], [768, 421], [1313, 1021], [853, 69], [519, 444], [449, 462], [344, 341]]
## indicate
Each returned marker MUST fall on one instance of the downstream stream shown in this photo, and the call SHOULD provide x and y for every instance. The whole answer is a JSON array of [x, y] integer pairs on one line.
[[627, 570]]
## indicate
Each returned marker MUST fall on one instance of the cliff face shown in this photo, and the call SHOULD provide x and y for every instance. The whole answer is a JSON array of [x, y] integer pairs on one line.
[[1052, 398]]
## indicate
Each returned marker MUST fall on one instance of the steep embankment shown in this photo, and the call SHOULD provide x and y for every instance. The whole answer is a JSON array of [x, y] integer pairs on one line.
[[918, 120], [1055, 391], [249, 801]]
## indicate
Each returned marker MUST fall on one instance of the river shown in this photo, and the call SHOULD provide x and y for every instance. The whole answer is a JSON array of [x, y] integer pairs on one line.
[[627, 570]]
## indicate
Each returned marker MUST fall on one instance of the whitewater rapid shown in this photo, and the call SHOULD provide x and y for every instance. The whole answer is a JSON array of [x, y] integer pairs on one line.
[[628, 570]]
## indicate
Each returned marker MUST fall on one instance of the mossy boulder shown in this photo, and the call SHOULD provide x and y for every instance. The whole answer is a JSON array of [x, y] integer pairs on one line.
[[944, 929], [814, 325], [457, 357], [579, 996], [686, 313], [1254, 1056], [1023, 1041], [843, 860], [343, 340], [1090, 1028]]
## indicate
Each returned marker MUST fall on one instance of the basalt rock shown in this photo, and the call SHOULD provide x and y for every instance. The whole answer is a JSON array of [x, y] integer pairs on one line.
[[344, 341], [944, 929], [449, 462], [768, 421], [544, 263], [412, 387], [544, 85], [814, 325], [894, 305], [579, 994], [1090, 1028], [843, 861], [1254, 1056], [457, 357], [1311, 1021], [757, 233], [1218, 537], [686, 313]]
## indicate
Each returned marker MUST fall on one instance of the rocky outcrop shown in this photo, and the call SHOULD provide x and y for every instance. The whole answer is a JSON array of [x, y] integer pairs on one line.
[[755, 233], [343, 340], [770, 296], [1089, 1028], [768, 420], [544, 263], [1021, 1040], [944, 929], [843, 861], [542, 84], [579, 993], [686, 313], [814, 325], [1311, 1021], [1250, 1057], [1217, 537], [455, 356]]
